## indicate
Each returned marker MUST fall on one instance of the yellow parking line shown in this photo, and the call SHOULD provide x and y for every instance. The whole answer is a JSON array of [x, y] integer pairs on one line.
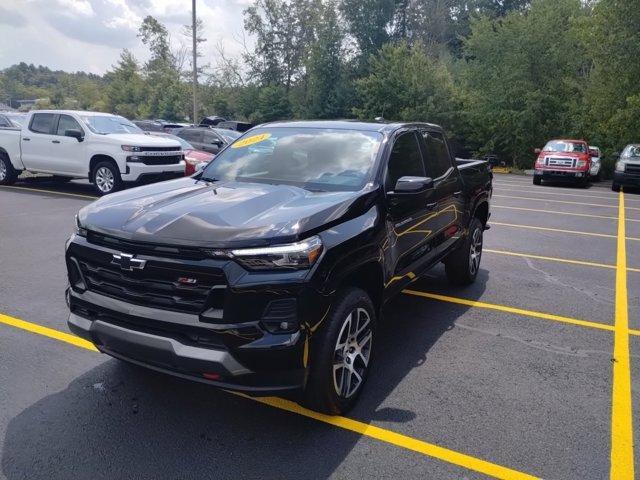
[[551, 259], [364, 429], [564, 194], [53, 192], [399, 440], [514, 310], [560, 230], [561, 213], [560, 260], [622, 459], [47, 332], [563, 201]]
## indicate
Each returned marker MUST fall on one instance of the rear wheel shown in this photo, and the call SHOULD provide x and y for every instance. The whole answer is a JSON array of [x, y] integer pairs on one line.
[[8, 174], [463, 264], [341, 354], [106, 178], [537, 179]]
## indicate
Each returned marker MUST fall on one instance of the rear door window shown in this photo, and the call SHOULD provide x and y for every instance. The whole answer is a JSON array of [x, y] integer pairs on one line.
[[42, 122]]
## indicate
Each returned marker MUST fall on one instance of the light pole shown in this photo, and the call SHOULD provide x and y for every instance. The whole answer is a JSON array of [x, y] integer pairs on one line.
[[195, 58]]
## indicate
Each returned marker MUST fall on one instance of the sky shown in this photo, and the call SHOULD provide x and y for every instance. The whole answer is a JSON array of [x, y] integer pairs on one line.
[[88, 35]]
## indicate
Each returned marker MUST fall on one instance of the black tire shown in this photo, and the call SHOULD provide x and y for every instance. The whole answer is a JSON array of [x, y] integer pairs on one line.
[[537, 180], [462, 265], [60, 179], [105, 177], [321, 391], [615, 187], [584, 182], [8, 174]]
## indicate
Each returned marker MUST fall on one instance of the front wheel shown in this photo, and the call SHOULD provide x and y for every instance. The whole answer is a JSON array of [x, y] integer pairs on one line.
[[463, 264], [537, 179], [8, 174], [341, 354], [106, 178]]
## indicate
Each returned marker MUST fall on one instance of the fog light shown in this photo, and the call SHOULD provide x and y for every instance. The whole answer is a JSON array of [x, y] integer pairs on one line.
[[281, 316]]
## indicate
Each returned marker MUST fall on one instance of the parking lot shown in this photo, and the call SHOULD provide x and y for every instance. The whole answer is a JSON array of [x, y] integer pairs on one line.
[[513, 377]]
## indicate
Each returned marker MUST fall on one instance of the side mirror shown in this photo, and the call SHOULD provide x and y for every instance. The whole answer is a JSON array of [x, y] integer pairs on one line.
[[615, 155], [74, 133], [537, 151], [413, 184], [217, 143]]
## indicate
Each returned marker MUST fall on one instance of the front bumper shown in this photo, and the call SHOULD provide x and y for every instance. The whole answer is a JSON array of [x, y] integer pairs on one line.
[[137, 171], [549, 174], [114, 328], [626, 179]]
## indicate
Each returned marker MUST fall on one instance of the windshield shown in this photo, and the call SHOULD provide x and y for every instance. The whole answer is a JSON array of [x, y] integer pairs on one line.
[[631, 151], [312, 158], [105, 124], [564, 146], [228, 135]]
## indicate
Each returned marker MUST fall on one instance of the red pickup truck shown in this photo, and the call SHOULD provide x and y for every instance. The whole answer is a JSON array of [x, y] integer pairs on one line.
[[563, 159]]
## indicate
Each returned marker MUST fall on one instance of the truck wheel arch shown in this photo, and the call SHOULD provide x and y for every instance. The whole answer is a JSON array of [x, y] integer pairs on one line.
[[97, 159], [368, 277], [481, 211]]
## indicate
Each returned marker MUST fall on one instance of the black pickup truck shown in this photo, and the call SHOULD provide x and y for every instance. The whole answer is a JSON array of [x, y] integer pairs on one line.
[[266, 272]]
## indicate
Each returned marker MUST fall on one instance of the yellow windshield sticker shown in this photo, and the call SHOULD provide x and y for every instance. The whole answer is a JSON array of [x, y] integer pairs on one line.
[[245, 142]]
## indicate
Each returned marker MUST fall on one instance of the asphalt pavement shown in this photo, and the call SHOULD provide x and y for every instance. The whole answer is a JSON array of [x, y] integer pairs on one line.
[[512, 377]]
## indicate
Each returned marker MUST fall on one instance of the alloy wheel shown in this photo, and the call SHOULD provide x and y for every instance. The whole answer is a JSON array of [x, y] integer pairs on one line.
[[105, 179], [3, 170], [352, 353], [475, 252]]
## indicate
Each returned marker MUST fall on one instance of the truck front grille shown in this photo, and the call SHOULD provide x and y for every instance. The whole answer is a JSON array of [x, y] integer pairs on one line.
[[633, 169], [167, 287], [156, 160], [560, 162]]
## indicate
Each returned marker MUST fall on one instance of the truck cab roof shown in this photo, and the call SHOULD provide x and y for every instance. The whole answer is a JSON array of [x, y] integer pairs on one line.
[[371, 126]]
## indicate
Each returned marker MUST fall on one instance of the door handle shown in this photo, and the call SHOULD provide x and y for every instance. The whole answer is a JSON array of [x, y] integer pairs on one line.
[[432, 206], [55, 141], [26, 139], [458, 193]]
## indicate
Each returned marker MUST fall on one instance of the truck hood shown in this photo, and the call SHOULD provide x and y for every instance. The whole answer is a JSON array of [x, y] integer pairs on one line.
[[142, 140], [191, 212]]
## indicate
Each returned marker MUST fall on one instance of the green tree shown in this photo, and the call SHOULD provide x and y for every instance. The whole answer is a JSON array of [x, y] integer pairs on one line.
[[405, 84], [612, 99], [524, 78], [126, 89]]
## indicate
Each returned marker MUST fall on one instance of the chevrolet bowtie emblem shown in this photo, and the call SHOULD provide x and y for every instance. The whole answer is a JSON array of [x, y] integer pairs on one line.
[[127, 262]]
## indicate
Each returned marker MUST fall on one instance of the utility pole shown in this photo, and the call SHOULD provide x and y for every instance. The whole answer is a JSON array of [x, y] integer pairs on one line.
[[195, 58]]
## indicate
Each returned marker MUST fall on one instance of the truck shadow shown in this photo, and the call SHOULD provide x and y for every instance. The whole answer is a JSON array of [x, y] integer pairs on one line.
[[121, 421]]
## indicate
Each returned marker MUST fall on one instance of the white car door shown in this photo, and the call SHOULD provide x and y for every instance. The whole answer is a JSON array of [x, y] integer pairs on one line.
[[37, 141], [68, 150]]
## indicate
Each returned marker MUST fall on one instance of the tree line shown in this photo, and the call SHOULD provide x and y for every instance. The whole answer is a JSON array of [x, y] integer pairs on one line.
[[502, 76]]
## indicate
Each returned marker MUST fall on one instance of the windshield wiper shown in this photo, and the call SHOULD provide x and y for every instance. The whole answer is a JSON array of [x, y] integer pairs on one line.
[[207, 179]]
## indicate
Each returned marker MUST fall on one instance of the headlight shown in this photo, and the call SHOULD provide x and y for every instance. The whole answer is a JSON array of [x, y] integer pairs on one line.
[[296, 256], [80, 230], [619, 166], [130, 148], [581, 163]]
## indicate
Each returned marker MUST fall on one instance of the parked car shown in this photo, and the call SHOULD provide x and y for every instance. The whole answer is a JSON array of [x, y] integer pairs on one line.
[[11, 119], [563, 159], [148, 125], [211, 121], [193, 157], [235, 125], [210, 140], [107, 149], [267, 271], [596, 163], [627, 170]]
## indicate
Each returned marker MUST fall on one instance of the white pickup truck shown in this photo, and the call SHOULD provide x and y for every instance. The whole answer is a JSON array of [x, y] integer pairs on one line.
[[107, 149]]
